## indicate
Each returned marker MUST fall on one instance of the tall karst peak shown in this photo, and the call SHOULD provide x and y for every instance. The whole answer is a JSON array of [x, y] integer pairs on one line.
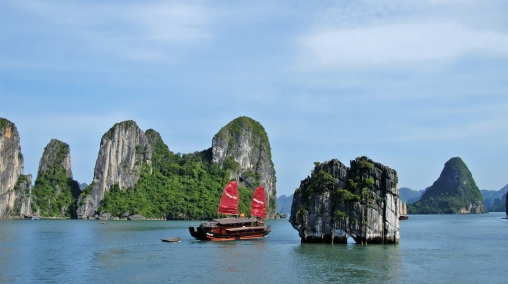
[[56, 152], [55, 192], [242, 147], [455, 191], [454, 174], [15, 187], [11, 159], [123, 149]]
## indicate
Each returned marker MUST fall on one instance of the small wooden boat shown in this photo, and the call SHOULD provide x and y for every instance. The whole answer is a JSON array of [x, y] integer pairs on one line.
[[26, 217], [403, 217], [171, 240]]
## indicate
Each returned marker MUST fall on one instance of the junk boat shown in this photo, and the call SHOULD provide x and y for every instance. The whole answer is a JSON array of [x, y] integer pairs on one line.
[[235, 228]]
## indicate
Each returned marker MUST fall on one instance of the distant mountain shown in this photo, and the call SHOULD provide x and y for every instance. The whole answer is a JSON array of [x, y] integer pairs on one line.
[[499, 204], [455, 191], [284, 204], [82, 186], [408, 195], [493, 196]]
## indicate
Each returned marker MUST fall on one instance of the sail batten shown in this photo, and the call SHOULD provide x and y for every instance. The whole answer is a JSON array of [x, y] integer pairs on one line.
[[229, 200], [258, 206]]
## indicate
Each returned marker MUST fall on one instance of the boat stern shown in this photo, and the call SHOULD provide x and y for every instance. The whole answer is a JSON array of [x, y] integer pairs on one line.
[[193, 232], [198, 233]]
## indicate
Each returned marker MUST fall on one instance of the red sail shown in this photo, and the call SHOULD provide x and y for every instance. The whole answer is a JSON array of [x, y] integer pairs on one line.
[[258, 207], [229, 201]]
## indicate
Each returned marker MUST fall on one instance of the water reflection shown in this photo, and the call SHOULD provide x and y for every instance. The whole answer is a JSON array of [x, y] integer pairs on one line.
[[338, 263]]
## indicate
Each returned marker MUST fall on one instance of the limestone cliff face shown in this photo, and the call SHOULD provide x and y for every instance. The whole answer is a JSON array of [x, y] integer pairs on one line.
[[242, 147], [336, 202], [55, 192], [13, 184], [122, 151], [23, 199]]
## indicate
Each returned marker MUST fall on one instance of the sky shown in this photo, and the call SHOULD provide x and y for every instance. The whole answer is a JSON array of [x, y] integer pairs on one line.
[[409, 84]]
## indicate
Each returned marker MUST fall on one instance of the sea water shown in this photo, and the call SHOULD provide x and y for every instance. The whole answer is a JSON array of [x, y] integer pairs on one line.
[[432, 249]]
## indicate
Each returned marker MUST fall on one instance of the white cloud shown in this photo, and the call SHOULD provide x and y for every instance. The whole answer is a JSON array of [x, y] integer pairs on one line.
[[410, 43], [400, 33], [133, 31]]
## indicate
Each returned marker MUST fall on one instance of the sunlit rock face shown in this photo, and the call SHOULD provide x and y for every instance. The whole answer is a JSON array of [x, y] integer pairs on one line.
[[336, 202], [123, 150], [14, 186]]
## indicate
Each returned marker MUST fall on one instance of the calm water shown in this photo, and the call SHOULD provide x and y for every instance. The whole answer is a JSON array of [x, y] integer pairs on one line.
[[433, 249]]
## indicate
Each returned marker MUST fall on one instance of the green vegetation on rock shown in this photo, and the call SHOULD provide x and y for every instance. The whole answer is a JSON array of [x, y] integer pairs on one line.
[[238, 125], [322, 181], [55, 193], [174, 187], [455, 191], [337, 201], [243, 137], [499, 204], [4, 122]]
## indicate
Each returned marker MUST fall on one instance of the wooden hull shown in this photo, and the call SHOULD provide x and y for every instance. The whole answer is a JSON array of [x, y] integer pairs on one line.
[[231, 236], [171, 240], [229, 231]]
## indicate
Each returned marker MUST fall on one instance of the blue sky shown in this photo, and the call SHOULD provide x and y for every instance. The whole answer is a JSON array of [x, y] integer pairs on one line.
[[410, 84]]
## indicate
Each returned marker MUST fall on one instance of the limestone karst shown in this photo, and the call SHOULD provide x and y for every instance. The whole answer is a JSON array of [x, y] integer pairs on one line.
[[336, 202], [15, 187], [454, 192]]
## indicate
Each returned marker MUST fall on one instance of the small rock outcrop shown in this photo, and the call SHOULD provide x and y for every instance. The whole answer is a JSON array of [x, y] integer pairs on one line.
[[337, 202], [123, 149], [55, 191], [454, 192], [242, 148], [14, 186]]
